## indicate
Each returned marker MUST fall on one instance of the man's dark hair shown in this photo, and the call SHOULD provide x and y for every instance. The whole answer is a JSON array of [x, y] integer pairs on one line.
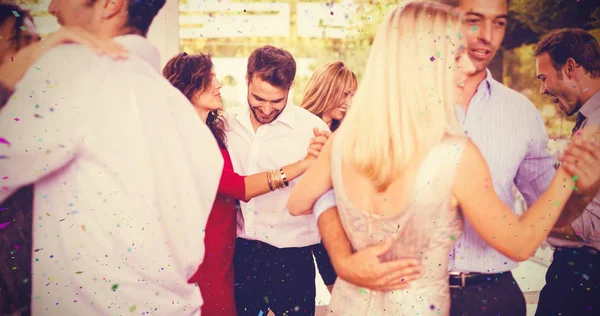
[[9, 10], [140, 14], [571, 43], [273, 65]]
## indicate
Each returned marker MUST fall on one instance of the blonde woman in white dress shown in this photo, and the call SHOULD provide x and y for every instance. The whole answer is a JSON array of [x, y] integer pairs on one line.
[[400, 167]]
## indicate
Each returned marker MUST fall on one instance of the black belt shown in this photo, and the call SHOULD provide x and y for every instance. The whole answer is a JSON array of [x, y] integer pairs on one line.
[[463, 279], [589, 250], [263, 245]]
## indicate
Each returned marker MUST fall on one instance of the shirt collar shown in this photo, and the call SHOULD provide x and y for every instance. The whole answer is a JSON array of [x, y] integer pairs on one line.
[[142, 47], [591, 105], [487, 82], [287, 117]]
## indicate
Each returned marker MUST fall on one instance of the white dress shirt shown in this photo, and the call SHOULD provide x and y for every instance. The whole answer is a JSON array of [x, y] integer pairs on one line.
[[125, 176], [274, 145]]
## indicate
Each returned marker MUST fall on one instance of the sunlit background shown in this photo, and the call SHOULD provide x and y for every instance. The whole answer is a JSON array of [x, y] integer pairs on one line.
[[317, 32]]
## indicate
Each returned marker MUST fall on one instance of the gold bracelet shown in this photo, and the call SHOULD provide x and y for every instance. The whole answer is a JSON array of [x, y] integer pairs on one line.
[[284, 177], [270, 180], [278, 179]]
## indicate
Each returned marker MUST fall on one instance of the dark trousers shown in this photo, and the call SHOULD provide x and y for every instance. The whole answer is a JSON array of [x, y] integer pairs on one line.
[[324, 264], [15, 251], [572, 284], [280, 279], [495, 295]]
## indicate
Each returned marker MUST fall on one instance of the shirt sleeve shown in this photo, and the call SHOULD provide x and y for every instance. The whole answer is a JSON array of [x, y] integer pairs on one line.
[[39, 128], [232, 184], [536, 171], [325, 202], [587, 225]]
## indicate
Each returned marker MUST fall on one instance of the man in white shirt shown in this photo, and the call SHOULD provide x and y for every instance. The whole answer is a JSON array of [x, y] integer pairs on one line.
[[274, 267], [125, 172]]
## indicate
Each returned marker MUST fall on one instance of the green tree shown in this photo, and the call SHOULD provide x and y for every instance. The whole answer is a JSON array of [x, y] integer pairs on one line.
[[529, 19]]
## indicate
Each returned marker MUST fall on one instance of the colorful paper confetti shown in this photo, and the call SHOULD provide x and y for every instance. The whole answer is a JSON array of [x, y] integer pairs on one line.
[[4, 141]]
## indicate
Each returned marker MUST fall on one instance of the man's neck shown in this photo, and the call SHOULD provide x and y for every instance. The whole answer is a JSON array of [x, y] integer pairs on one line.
[[109, 33], [470, 87], [589, 87], [255, 124]]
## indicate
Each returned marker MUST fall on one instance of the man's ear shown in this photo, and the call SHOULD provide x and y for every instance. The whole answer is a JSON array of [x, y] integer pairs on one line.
[[570, 66], [111, 8]]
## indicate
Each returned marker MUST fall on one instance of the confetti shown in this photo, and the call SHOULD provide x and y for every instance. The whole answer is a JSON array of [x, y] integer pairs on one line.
[[132, 309], [432, 58], [17, 119], [23, 28], [79, 272], [4, 141], [115, 287], [16, 13], [3, 225]]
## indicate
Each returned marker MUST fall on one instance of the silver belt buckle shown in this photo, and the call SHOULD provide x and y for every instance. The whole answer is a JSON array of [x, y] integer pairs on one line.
[[462, 280]]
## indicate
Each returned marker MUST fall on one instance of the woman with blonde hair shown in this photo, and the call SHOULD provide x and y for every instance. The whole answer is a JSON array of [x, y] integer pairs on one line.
[[400, 168], [329, 93]]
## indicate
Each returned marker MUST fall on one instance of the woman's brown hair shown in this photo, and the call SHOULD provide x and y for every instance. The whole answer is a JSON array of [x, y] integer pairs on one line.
[[192, 73]]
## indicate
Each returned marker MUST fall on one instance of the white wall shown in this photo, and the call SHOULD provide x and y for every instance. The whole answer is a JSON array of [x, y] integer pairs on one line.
[[164, 31]]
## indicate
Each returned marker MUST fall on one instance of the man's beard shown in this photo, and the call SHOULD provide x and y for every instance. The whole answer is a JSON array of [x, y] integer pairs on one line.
[[262, 118]]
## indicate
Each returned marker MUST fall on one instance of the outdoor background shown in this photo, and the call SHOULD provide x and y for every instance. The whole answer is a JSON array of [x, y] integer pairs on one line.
[[317, 32]]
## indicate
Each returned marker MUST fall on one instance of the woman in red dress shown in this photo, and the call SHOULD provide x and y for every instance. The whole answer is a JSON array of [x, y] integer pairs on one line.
[[194, 76]]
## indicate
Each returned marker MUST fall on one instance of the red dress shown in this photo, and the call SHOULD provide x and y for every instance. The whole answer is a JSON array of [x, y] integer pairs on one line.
[[215, 275]]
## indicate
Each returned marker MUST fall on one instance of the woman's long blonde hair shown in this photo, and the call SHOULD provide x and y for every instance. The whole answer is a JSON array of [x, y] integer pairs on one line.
[[326, 87], [405, 103]]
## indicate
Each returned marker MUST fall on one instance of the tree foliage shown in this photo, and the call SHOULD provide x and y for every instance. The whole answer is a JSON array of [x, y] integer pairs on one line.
[[531, 19]]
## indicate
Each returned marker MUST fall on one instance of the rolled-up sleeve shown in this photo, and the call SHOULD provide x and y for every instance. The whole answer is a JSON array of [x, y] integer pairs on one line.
[[587, 225], [325, 202]]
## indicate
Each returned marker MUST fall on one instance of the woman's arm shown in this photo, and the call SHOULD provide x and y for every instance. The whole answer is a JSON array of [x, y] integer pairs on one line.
[[11, 73], [315, 182], [516, 237], [258, 184]]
